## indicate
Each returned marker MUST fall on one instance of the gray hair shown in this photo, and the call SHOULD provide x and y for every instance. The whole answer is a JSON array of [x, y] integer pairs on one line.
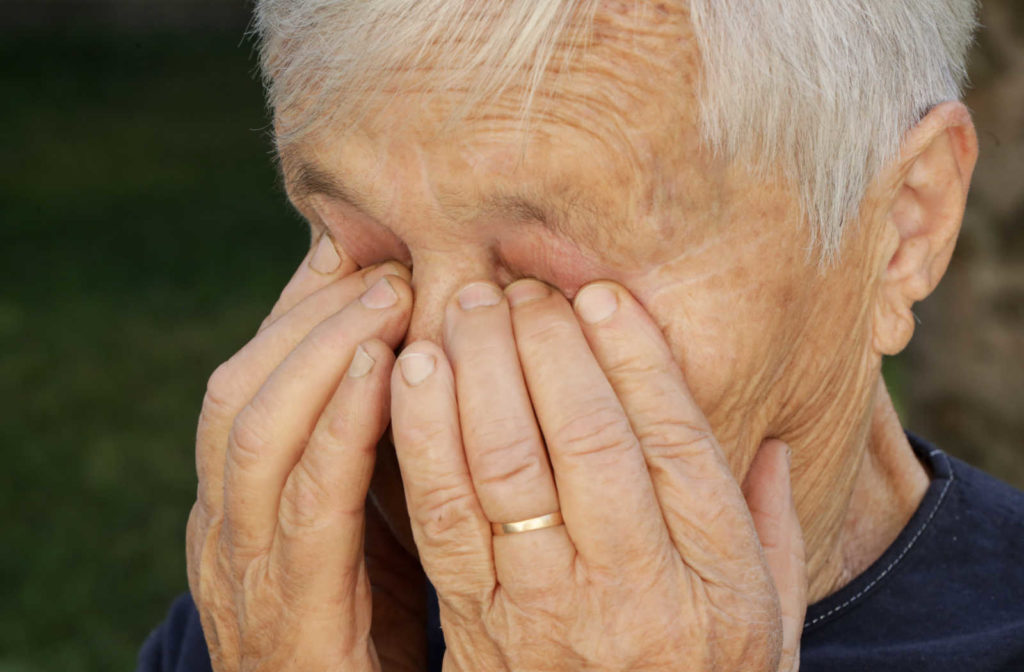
[[822, 89]]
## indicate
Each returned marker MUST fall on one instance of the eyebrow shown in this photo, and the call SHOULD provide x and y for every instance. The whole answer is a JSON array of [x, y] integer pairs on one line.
[[307, 179]]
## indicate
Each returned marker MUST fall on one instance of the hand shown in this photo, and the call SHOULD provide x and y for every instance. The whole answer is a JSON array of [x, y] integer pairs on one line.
[[658, 566], [284, 453]]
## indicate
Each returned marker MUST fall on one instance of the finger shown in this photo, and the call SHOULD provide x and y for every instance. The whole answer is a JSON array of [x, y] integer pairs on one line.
[[605, 492], [699, 497], [451, 532], [270, 432], [318, 547], [236, 381], [504, 449], [769, 497], [325, 263]]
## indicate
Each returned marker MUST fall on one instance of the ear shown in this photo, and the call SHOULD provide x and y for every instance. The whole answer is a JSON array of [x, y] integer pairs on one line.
[[928, 192]]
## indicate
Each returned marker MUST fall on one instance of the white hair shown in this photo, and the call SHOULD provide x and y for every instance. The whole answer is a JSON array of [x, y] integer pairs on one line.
[[822, 90]]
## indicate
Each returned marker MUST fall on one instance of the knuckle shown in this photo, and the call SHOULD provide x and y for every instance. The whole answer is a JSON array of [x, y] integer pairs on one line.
[[250, 438], [220, 629], [602, 432], [194, 546], [197, 523], [514, 468], [503, 448], [633, 367], [222, 391], [442, 510], [497, 435], [673, 438], [234, 553], [203, 547], [344, 428], [303, 503], [336, 430], [208, 490]]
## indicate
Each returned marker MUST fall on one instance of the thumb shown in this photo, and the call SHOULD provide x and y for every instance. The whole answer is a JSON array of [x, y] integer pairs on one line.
[[769, 497]]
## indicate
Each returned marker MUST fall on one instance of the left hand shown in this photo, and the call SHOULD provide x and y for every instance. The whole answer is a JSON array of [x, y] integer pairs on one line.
[[664, 562]]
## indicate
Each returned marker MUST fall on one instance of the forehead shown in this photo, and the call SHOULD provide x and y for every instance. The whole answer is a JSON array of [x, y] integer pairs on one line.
[[608, 149]]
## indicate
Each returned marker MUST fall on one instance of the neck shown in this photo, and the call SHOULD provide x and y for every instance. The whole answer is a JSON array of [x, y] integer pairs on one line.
[[887, 485]]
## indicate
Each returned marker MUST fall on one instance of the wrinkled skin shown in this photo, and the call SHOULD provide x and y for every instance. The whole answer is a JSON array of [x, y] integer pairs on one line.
[[268, 601], [658, 565], [728, 346], [285, 451]]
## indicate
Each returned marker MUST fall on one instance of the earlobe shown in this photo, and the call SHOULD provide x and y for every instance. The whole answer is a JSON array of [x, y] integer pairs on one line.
[[894, 326], [929, 184]]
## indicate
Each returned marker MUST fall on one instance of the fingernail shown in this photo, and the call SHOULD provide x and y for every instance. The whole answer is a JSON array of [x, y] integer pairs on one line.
[[479, 294], [596, 303], [525, 291], [361, 363], [325, 259], [387, 268], [380, 295], [416, 366]]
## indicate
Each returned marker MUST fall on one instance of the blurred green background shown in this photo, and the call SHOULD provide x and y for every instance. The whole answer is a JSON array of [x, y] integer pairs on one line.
[[143, 235]]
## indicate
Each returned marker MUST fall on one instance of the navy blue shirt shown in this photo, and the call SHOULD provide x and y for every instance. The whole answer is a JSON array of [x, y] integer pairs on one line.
[[947, 595]]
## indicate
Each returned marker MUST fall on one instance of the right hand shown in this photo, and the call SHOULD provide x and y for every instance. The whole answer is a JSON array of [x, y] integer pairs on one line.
[[284, 453]]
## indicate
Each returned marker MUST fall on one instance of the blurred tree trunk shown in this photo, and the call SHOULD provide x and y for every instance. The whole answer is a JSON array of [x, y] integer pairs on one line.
[[965, 367]]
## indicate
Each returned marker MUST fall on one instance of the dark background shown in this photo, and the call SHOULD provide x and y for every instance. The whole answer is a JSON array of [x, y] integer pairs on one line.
[[143, 235]]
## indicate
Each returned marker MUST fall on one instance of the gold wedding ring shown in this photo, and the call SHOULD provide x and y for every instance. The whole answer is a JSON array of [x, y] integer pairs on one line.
[[538, 523]]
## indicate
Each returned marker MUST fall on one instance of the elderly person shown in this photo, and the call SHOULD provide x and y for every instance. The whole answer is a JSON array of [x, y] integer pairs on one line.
[[640, 263]]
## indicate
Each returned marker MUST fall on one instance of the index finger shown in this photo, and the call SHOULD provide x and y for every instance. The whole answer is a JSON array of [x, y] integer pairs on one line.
[[323, 264], [237, 380], [700, 499]]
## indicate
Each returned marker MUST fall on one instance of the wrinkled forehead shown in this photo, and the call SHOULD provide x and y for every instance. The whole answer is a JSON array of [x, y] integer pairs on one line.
[[610, 143], [608, 125], [529, 60]]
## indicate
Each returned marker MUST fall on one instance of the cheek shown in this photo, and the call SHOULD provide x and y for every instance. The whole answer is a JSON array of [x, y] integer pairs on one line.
[[707, 348], [724, 341]]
